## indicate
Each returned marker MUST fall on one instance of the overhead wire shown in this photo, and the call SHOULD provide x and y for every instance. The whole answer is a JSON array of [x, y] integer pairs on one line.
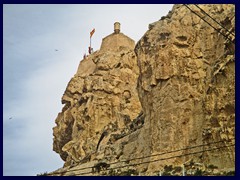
[[209, 24], [158, 154], [171, 157], [143, 157], [173, 150], [214, 19]]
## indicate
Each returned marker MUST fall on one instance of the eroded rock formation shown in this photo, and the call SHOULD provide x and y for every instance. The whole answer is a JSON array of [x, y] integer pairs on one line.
[[184, 72], [187, 82], [100, 101]]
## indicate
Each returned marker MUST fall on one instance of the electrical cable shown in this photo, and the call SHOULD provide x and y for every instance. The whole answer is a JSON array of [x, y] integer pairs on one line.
[[210, 24], [173, 150], [171, 157], [214, 19], [143, 157]]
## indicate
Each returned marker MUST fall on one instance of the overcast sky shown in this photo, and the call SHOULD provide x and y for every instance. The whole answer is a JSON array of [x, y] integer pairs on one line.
[[42, 47]]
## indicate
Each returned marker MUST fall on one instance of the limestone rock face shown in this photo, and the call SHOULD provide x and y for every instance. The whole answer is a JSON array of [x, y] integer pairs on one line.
[[162, 101], [187, 83], [100, 101]]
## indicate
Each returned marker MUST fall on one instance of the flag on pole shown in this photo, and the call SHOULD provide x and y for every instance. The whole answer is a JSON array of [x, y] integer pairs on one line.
[[92, 32]]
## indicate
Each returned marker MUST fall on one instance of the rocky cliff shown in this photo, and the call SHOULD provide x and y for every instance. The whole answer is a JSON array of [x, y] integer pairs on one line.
[[187, 81], [100, 101], [182, 72]]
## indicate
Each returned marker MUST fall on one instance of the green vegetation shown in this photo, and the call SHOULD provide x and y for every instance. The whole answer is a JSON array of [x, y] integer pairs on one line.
[[166, 173], [43, 174], [230, 173], [168, 168], [177, 169], [112, 172], [198, 172], [128, 172]]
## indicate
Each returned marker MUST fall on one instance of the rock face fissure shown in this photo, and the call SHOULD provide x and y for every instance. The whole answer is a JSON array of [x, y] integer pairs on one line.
[[175, 90]]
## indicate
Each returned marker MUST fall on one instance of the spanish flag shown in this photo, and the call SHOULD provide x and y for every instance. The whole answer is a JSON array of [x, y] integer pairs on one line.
[[92, 32]]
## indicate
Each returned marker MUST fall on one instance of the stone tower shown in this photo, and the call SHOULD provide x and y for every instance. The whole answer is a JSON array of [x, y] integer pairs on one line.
[[116, 27], [116, 40]]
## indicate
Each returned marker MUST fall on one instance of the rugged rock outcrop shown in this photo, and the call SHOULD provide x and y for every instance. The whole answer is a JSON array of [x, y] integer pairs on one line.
[[184, 72], [101, 101], [187, 82]]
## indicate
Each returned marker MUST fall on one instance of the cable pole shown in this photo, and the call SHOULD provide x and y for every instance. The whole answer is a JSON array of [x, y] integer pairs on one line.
[[183, 170]]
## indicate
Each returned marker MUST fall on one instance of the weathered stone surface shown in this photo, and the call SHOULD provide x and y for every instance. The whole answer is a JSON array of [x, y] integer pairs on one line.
[[186, 85], [100, 100], [114, 42]]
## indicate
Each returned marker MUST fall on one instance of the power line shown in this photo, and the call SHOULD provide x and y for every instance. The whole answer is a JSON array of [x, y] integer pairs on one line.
[[214, 19], [209, 24], [171, 157], [143, 157], [179, 149], [191, 147]]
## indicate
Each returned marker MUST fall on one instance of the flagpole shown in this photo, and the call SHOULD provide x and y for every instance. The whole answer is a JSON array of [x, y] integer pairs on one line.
[[90, 48], [90, 42]]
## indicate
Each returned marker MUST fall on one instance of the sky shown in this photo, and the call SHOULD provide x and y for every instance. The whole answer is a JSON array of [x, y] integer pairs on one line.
[[42, 47]]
